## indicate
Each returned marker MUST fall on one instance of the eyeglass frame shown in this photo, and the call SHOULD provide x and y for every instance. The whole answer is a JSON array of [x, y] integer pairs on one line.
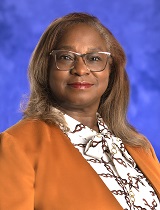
[[80, 55]]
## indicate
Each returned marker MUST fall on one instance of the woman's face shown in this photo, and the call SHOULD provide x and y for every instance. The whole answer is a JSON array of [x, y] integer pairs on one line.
[[79, 88]]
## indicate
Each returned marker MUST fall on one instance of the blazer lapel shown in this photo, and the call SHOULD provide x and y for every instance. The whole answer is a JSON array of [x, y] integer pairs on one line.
[[148, 165]]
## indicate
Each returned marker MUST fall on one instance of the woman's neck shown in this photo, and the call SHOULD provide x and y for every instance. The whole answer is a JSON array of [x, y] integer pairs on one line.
[[86, 118]]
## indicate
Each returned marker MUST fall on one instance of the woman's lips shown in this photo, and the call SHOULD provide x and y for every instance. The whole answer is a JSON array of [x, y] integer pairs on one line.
[[80, 85]]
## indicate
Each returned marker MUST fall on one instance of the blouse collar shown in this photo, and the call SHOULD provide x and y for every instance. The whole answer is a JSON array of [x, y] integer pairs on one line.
[[96, 144]]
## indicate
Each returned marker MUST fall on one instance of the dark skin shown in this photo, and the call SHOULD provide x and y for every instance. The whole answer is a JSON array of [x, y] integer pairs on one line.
[[80, 101]]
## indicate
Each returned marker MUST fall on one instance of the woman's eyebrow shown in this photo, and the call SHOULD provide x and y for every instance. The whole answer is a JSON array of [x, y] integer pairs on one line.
[[90, 49], [66, 47], [96, 49]]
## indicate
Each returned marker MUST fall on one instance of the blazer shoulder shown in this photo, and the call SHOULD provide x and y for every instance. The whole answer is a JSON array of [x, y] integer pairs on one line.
[[31, 137], [31, 133], [30, 127]]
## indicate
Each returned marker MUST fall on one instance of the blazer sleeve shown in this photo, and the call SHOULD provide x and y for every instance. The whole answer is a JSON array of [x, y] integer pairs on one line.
[[16, 176]]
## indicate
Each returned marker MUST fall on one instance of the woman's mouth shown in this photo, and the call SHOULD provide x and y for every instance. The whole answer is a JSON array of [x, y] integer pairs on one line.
[[80, 85]]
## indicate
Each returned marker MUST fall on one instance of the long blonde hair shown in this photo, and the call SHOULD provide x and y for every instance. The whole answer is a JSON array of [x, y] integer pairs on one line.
[[114, 102]]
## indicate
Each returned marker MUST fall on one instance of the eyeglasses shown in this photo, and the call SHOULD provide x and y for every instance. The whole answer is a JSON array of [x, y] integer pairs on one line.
[[65, 60]]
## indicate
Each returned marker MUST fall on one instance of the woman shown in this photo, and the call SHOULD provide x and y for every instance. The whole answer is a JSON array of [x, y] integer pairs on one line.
[[74, 148]]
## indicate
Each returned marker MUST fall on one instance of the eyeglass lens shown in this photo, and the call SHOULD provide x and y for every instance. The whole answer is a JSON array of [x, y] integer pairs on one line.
[[65, 60]]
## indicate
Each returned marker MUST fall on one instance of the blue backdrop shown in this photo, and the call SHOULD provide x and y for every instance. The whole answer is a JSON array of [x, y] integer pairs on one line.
[[135, 23]]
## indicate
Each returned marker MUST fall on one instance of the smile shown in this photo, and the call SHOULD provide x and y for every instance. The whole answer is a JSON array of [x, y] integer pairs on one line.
[[80, 85]]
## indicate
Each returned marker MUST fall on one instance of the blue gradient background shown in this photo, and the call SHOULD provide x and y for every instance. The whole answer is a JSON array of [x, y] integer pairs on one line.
[[135, 23]]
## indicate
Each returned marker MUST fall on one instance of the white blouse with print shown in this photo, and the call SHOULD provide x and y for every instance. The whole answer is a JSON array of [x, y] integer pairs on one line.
[[108, 157]]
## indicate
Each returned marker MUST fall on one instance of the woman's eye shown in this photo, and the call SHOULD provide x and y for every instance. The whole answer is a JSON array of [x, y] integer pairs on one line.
[[65, 57], [95, 58]]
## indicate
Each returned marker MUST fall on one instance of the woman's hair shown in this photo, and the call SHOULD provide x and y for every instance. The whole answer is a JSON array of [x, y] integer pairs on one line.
[[114, 102]]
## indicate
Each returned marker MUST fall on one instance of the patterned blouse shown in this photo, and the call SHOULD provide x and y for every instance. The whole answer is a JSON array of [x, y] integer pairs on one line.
[[108, 157]]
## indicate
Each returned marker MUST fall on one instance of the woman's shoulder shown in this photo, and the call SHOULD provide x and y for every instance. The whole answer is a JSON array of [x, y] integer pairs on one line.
[[26, 124], [30, 131], [29, 137], [141, 153], [30, 126]]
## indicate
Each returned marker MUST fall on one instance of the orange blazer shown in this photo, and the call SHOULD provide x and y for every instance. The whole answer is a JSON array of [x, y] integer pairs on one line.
[[40, 169]]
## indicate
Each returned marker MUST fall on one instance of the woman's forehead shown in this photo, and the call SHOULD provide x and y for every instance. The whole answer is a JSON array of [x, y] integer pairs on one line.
[[81, 35]]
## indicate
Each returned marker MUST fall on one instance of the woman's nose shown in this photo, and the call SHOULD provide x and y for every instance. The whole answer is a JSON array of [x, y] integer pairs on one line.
[[80, 68]]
